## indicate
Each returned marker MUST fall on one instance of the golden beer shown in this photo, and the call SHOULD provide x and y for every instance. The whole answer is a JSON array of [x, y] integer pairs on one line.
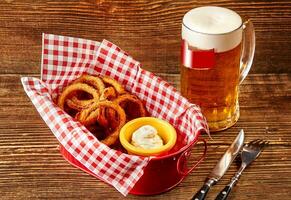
[[215, 88]]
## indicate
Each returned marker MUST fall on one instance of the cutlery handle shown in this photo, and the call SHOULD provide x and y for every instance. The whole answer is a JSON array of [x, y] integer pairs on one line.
[[201, 194], [224, 193]]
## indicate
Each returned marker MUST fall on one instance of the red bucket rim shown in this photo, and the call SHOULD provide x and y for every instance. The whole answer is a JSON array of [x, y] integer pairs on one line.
[[180, 150]]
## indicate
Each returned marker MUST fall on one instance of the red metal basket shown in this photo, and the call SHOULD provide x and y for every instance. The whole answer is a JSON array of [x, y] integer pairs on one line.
[[66, 58]]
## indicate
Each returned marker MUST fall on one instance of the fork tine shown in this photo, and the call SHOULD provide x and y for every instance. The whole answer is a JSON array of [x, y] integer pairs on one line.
[[264, 143], [253, 142], [261, 142]]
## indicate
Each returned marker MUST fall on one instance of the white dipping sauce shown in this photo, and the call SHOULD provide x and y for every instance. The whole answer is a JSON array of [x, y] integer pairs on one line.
[[146, 137]]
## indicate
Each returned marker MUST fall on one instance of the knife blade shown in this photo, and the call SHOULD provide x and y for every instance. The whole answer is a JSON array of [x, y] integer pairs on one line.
[[221, 167]]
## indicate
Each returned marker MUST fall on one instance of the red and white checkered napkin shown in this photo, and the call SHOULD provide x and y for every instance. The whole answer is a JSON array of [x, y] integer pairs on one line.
[[66, 58]]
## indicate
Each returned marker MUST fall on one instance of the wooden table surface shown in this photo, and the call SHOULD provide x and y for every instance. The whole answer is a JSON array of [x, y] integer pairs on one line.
[[31, 166]]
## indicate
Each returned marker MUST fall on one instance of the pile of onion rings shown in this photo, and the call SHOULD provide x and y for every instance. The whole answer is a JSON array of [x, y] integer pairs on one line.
[[101, 104]]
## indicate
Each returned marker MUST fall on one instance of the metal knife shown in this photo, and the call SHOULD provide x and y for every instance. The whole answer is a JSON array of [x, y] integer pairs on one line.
[[221, 167]]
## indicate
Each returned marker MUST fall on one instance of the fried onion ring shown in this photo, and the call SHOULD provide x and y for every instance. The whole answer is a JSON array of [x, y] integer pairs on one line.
[[71, 89], [93, 81], [92, 115], [77, 104], [117, 86], [101, 104], [125, 100], [108, 93], [96, 130], [89, 115]]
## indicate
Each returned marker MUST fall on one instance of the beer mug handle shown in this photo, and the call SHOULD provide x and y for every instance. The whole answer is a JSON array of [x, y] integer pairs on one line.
[[248, 49]]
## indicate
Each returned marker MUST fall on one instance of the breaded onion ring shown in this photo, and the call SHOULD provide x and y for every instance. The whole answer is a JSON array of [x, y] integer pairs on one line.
[[93, 113], [77, 104], [125, 100], [93, 81], [96, 130], [71, 89], [108, 94], [117, 86]]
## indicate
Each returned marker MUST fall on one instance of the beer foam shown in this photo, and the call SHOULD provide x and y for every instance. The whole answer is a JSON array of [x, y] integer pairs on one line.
[[212, 27]]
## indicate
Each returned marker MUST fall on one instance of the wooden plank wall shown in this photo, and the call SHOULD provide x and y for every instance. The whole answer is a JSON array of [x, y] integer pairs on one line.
[[148, 30]]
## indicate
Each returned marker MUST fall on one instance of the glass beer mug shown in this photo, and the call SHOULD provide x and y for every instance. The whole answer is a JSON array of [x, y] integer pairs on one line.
[[217, 54]]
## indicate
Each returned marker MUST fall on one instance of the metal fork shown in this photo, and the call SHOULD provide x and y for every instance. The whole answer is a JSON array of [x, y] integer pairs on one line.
[[249, 153]]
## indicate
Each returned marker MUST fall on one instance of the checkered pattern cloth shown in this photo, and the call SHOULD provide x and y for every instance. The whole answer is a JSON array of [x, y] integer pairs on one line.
[[66, 58]]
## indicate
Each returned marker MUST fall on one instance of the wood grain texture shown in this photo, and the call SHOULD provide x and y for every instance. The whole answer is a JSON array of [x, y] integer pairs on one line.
[[148, 30], [31, 166]]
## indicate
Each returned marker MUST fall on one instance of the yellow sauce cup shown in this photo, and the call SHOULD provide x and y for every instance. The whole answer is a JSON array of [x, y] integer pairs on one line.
[[165, 130]]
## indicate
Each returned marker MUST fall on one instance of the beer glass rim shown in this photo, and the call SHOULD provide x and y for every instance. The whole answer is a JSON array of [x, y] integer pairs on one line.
[[183, 24]]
